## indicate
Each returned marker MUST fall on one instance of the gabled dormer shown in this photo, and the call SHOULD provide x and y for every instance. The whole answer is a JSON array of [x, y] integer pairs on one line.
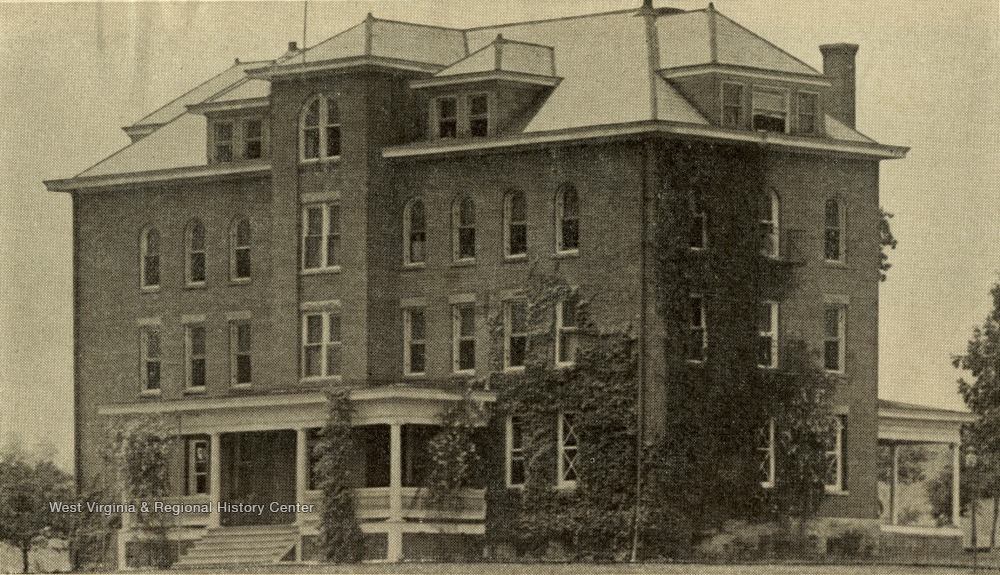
[[237, 122], [737, 79], [493, 91]]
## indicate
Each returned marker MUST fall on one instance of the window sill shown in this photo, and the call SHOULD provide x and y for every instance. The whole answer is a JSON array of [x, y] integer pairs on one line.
[[241, 385], [321, 379], [835, 373], [565, 364], [695, 361], [194, 391], [465, 373], [316, 161], [767, 485], [320, 271], [414, 266], [463, 263], [511, 259], [836, 263], [150, 393], [767, 367], [566, 254], [149, 289], [195, 286]]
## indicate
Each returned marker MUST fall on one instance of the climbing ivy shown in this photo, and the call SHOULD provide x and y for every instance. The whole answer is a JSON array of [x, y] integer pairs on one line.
[[454, 459], [341, 539]]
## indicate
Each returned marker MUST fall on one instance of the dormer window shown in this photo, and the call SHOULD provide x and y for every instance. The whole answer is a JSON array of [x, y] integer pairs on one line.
[[770, 110], [807, 104], [732, 105], [252, 139], [319, 129], [224, 142], [234, 138], [447, 118], [479, 116]]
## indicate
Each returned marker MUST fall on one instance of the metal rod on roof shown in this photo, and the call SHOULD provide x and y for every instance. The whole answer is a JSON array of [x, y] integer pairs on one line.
[[305, 27]]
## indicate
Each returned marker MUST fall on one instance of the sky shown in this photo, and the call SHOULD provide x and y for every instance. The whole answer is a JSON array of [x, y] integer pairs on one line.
[[74, 73]]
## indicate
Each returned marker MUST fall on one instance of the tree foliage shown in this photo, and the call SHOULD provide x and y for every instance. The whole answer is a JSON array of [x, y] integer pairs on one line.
[[341, 539], [26, 489], [886, 240], [454, 459], [912, 463]]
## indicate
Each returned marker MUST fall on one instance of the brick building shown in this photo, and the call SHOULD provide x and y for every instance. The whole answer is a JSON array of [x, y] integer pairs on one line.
[[351, 215]]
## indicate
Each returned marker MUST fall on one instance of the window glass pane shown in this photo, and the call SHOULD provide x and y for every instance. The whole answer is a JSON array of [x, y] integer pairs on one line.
[[467, 354], [417, 326], [312, 113], [197, 237], [832, 214], [197, 341], [447, 108], [314, 221], [152, 243], [313, 250], [252, 129], [831, 355], [478, 105], [467, 321], [243, 263], [335, 329], [418, 221], [832, 317], [518, 317], [518, 347], [518, 208], [769, 101], [466, 243], [333, 141], [333, 360], [764, 350], [314, 329], [467, 215], [197, 373], [152, 344], [313, 360], [732, 94], [152, 375], [417, 359], [571, 203], [764, 317], [223, 132], [243, 369], [243, 337], [696, 312], [310, 141], [332, 112], [243, 233], [198, 267]]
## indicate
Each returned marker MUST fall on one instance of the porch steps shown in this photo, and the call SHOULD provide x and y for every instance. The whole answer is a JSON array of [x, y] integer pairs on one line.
[[250, 545]]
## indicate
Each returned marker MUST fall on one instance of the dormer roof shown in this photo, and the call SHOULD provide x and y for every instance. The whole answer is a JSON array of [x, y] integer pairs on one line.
[[501, 59]]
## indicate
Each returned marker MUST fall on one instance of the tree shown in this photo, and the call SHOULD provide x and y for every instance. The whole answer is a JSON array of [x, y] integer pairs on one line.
[[982, 395], [26, 489], [912, 462], [886, 240]]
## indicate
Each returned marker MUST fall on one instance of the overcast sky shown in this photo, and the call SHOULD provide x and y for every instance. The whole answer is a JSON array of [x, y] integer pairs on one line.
[[73, 74]]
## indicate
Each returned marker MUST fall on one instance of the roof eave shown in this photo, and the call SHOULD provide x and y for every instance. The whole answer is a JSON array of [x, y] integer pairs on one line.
[[284, 70], [229, 105], [749, 71], [70, 185], [491, 75]]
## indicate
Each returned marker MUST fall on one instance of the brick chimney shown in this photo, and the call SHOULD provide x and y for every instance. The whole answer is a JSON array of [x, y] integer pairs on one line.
[[838, 66]]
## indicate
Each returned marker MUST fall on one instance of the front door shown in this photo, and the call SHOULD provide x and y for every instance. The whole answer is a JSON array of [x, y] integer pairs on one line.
[[258, 469]]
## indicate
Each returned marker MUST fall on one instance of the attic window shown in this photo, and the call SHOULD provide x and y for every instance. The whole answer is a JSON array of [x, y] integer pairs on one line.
[[224, 142], [807, 112], [732, 105], [770, 110], [478, 115], [447, 118], [252, 134]]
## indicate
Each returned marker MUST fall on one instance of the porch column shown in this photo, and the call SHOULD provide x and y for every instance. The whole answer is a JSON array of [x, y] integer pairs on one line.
[[214, 478], [894, 484], [395, 523], [956, 485], [301, 470]]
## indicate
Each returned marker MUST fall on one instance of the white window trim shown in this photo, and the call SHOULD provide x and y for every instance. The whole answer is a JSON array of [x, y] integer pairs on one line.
[[189, 252], [841, 336], [486, 116], [701, 216], [456, 227], [562, 483], [770, 452], [560, 211], [325, 208], [773, 333], [508, 203], [839, 429], [507, 333], [235, 248], [775, 90], [841, 228], [560, 329], [192, 475], [189, 356], [815, 114], [324, 343], [234, 352], [408, 229], [245, 138], [145, 327], [436, 113], [703, 326], [509, 454], [723, 105], [774, 222], [408, 340], [231, 142], [456, 337], [144, 253], [322, 125]]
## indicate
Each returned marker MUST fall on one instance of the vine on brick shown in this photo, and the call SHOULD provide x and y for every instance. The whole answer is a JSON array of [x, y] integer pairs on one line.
[[454, 459], [341, 540]]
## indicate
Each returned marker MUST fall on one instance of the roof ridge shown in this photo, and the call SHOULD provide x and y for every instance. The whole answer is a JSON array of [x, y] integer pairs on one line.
[[234, 65], [422, 25], [543, 20], [765, 40], [306, 49]]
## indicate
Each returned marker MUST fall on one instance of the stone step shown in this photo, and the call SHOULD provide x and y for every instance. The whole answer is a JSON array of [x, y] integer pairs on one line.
[[252, 544]]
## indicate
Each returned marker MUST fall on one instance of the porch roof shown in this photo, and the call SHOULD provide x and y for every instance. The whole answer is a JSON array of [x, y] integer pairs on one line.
[[900, 422]]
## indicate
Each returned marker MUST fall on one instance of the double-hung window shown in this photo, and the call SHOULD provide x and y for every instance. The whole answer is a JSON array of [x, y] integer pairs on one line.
[[515, 229], [515, 468], [464, 338], [415, 341], [479, 115], [195, 244], [198, 454], [319, 129], [770, 110], [240, 340], [253, 139], [732, 105], [697, 341], [567, 331], [194, 346], [767, 334], [322, 344], [834, 331], [223, 141], [833, 231], [836, 460], [464, 225], [806, 103], [567, 219], [415, 232], [769, 234], [239, 258], [447, 120], [151, 357], [321, 237], [150, 249], [766, 449], [515, 343], [569, 450], [698, 233]]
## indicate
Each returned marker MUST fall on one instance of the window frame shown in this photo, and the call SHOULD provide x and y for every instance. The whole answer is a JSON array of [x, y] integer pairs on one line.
[[248, 138], [323, 126], [458, 225], [514, 454], [838, 451], [190, 357], [561, 449], [146, 358], [237, 248], [145, 257], [725, 106], [484, 116], [236, 352], [768, 453], [327, 233], [509, 223], [219, 143], [458, 338], [409, 341], [815, 112], [571, 332], [773, 90], [772, 239], [440, 119], [192, 474], [326, 346], [702, 327], [840, 338], [772, 333], [562, 220], [840, 229], [699, 219], [509, 334], [408, 233], [191, 253]]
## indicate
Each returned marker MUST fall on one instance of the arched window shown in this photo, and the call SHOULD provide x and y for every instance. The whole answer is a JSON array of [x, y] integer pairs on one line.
[[515, 213], [239, 257], [833, 232], [195, 256], [414, 232], [149, 246], [769, 231], [464, 224], [319, 128], [567, 219]]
